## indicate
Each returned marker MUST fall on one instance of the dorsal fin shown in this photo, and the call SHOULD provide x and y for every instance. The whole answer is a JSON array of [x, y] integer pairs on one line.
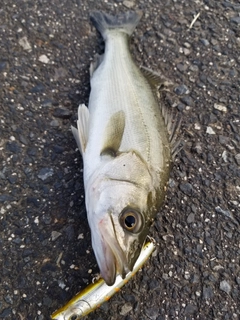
[[173, 122], [113, 134], [81, 133]]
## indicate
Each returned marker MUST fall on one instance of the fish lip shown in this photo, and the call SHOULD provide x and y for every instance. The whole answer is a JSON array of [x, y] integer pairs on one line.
[[114, 259]]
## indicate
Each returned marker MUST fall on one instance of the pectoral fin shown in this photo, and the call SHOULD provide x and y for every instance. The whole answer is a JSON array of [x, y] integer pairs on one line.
[[113, 134], [81, 133]]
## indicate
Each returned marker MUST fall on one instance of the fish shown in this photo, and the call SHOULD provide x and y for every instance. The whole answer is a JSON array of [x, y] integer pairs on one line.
[[99, 292], [127, 141]]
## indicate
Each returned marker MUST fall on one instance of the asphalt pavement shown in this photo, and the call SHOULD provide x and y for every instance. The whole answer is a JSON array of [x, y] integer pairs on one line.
[[45, 247]]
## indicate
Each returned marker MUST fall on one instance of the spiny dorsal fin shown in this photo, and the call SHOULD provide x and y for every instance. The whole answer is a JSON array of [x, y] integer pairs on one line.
[[156, 80], [173, 123], [81, 133], [113, 134]]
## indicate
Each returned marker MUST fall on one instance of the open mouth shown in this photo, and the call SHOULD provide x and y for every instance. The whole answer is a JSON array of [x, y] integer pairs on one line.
[[110, 256]]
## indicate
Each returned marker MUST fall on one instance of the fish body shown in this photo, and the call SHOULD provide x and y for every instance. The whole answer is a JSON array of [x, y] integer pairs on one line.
[[126, 150], [97, 293]]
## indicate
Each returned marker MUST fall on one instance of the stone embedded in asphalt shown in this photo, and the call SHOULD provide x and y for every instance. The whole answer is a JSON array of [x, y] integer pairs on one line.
[[220, 107], [62, 113], [186, 188], [190, 309], [191, 218], [182, 89], [210, 130], [54, 123], [24, 43], [188, 101], [55, 235], [152, 313], [205, 42], [43, 58], [126, 308], [225, 286], [207, 292], [3, 65], [236, 20], [128, 4], [6, 197], [13, 147], [45, 173], [237, 158], [38, 88]]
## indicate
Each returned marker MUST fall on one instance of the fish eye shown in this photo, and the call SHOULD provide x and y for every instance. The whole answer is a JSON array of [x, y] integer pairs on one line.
[[131, 220]]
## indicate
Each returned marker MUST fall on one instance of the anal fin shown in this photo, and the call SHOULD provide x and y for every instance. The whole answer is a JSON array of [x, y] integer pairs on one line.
[[81, 133]]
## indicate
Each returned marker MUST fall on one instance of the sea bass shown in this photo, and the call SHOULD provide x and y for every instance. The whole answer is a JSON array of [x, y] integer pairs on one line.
[[125, 142]]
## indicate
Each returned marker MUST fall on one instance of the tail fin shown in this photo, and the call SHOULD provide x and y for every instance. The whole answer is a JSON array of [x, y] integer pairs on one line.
[[125, 23]]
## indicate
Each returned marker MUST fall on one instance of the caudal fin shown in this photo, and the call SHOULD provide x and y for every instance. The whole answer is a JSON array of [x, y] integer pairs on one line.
[[125, 23]]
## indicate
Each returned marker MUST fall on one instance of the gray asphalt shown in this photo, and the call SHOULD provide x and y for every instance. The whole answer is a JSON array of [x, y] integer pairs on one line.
[[45, 248]]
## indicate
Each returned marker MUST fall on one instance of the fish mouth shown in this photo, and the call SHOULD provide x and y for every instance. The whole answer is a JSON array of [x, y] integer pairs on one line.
[[109, 254]]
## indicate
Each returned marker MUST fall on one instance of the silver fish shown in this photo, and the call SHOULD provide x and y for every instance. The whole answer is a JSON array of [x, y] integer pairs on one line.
[[126, 148]]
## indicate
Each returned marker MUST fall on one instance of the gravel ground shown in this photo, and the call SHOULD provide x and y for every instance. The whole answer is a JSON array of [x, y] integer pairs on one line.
[[45, 247]]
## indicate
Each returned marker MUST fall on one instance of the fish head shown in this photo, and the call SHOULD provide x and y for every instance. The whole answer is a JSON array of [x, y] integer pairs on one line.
[[120, 213], [118, 230]]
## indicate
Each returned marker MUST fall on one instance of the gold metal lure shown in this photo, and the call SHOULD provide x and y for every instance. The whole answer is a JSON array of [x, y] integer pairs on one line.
[[99, 292]]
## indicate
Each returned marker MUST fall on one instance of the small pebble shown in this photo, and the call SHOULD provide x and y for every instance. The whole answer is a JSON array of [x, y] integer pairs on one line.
[[197, 126], [210, 130], [207, 292], [191, 218], [186, 188], [152, 313], [54, 123], [236, 20], [224, 156], [237, 158], [225, 286], [60, 73], [24, 43], [190, 309], [205, 42], [55, 235], [45, 173], [182, 67], [129, 4], [186, 51], [187, 100], [126, 308], [62, 113], [220, 107], [182, 89], [43, 58]]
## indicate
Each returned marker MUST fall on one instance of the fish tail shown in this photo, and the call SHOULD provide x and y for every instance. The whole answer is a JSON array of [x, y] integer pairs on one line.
[[125, 23]]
